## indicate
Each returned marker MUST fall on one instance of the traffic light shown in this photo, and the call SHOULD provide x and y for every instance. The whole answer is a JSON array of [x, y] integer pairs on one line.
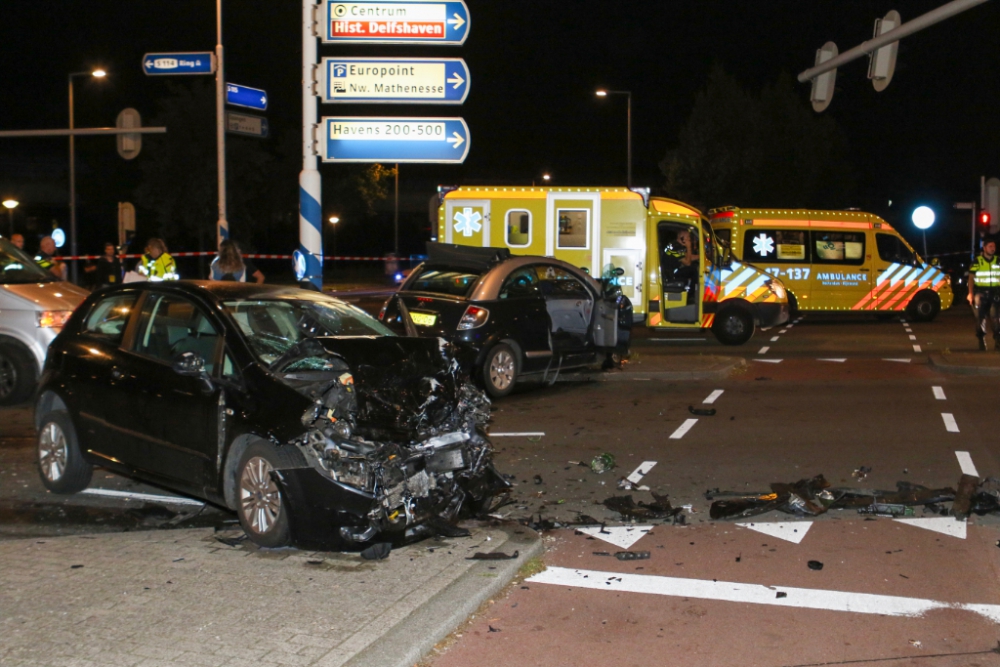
[[984, 220]]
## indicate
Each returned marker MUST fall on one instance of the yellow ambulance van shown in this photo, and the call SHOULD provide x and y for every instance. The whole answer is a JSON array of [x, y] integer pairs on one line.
[[835, 260], [673, 275]]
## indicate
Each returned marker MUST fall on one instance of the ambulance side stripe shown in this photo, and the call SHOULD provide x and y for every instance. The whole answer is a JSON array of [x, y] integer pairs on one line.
[[735, 282]]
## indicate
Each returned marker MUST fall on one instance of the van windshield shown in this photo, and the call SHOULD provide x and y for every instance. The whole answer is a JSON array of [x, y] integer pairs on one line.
[[17, 267]]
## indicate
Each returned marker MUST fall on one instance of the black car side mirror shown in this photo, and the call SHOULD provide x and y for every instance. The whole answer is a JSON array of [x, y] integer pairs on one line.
[[192, 364]]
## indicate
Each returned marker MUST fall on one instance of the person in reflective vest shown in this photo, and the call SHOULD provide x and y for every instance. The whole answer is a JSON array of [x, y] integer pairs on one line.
[[157, 264], [984, 292], [46, 258]]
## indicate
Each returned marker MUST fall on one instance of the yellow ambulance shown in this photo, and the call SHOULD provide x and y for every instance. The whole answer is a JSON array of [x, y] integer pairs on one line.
[[835, 260], [673, 275]]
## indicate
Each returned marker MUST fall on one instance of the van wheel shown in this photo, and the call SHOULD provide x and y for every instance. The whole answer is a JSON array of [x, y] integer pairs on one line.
[[60, 462], [793, 305], [924, 307], [733, 326], [17, 375], [500, 370]]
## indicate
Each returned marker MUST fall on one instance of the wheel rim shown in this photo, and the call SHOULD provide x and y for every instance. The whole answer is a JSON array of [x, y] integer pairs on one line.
[[924, 307], [8, 377], [52, 451], [502, 370], [734, 325], [260, 500]]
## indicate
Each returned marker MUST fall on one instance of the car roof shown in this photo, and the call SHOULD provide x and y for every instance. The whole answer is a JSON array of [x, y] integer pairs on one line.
[[488, 287], [220, 290]]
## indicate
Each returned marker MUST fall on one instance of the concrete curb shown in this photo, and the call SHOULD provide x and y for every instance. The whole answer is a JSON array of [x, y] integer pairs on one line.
[[942, 365], [719, 368], [410, 640]]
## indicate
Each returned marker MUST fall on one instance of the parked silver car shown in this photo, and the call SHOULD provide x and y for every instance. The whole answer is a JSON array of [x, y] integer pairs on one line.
[[34, 305]]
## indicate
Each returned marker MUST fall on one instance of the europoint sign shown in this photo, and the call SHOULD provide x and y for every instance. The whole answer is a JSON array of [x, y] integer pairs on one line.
[[421, 22]]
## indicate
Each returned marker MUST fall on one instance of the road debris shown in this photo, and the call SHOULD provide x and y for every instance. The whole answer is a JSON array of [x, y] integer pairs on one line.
[[660, 508], [602, 463], [632, 555], [815, 565], [377, 551], [494, 555], [701, 412], [861, 472]]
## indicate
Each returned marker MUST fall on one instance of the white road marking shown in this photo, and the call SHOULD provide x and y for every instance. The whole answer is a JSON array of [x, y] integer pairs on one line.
[[526, 434], [792, 531], [902, 320], [966, 464], [839, 361], [675, 340], [732, 591], [916, 348], [775, 339], [783, 331], [683, 428], [620, 536], [902, 361], [939, 393], [641, 471], [764, 350], [714, 395], [148, 497], [913, 337], [769, 361], [949, 422], [939, 524]]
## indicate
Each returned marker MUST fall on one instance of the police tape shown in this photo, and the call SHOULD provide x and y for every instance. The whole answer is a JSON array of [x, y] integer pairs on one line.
[[333, 258]]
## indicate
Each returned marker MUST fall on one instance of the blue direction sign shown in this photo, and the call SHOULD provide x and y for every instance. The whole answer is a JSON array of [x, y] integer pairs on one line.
[[369, 139], [244, 96], [376, 22], [185, 62], [395, 80]]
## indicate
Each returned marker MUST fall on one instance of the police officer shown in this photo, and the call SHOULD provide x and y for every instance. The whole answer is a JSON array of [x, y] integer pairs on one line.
[[984, 291], [46, 258], [157, 264]]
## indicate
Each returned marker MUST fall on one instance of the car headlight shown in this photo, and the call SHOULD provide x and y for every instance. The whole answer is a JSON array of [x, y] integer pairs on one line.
[[52, 319], [777, 288]]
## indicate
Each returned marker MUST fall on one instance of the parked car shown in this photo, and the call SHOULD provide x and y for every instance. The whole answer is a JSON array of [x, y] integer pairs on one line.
[[305, 415], [34, 306], [521, 316]]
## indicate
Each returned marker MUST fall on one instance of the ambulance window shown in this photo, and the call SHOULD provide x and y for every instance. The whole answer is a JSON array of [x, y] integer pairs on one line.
[[892, 249], [574, 228], [838, 248], [770, 245], [518, 229]]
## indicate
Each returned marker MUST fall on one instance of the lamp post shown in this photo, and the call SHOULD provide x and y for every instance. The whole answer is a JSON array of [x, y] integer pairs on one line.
[[333, 222], [10, 205], [923, 218], [99, 74], [627, 93]]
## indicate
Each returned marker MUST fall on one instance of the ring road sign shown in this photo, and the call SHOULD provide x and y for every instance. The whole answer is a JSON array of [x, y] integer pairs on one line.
[[183, 62], [244, 123], [395, 80], [372, 139], [375, 22], [244, 96]]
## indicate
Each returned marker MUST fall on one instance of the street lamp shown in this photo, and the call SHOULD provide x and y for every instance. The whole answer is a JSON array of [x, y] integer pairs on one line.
[[628, 93], [97, 74], [923, 218], [333, 220], [10, 205]]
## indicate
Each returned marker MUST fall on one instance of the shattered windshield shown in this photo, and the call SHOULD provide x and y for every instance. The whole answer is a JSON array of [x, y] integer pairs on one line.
[[276, 327], [17, 268]]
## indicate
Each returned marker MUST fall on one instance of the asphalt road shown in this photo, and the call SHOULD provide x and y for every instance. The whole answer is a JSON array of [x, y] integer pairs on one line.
[[828, 395]]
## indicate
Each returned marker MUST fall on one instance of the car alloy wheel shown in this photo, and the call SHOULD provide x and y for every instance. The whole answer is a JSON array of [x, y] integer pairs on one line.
[[52, 452], [260, 500], [502, 370]]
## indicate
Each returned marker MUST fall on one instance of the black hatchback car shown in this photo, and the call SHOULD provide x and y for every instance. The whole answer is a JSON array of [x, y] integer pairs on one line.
[[311, 420], [523, 315]]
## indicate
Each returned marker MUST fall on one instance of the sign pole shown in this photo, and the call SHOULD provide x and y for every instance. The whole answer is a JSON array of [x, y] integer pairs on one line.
[[310, 182], [222, 226]]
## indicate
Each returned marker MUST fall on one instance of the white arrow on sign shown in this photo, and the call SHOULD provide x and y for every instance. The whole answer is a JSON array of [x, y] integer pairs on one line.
[[458, 21], [457, 80], [456, 139]]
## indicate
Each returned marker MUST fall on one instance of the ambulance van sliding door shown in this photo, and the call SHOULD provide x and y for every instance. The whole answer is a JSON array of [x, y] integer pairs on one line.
[[842, 269]]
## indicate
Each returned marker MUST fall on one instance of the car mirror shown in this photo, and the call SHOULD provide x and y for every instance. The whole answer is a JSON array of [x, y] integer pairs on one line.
[[619, 271], [192, 364]]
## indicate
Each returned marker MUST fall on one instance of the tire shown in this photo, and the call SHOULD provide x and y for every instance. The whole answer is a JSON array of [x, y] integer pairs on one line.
[[499, 370], [60, 462], [733, 326], [260, 506], [17, 375], [924, 307], [793, 305]]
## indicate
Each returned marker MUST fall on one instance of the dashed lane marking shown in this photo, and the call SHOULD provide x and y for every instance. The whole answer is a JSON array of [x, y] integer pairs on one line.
[[913, 337], [148, 497], [775, 339], [733, 591], [641, 471], [939, 393], [901, 361], [966, 464], [769, 361], [916, 348], [783, 331], [836, 361], [949, 422], [764, 350], [683, 428], [713, 396]]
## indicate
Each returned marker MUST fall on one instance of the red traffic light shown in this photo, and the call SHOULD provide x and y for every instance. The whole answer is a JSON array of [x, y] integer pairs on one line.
[[984, 218]]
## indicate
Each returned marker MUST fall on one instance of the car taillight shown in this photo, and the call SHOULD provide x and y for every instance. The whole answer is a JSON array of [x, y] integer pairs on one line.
[[381, 313], [473, 318], [53, 319]]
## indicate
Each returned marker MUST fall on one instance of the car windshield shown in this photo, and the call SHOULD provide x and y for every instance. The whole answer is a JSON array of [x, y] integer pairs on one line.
[[454, 282], [17, 267], [274, 326]]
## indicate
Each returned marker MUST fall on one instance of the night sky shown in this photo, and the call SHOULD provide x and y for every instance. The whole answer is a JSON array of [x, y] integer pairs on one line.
[[535, 66]]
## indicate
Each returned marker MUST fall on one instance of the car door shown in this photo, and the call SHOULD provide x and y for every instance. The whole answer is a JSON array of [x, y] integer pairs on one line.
[[521, 305], [570, 306], [174, 417]]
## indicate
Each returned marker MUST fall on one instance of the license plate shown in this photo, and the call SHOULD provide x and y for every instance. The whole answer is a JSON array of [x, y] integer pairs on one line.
[[423, 319]]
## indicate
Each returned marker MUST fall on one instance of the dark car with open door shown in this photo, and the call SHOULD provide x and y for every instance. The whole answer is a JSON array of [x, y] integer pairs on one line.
[[522, 316], [303, 414]]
